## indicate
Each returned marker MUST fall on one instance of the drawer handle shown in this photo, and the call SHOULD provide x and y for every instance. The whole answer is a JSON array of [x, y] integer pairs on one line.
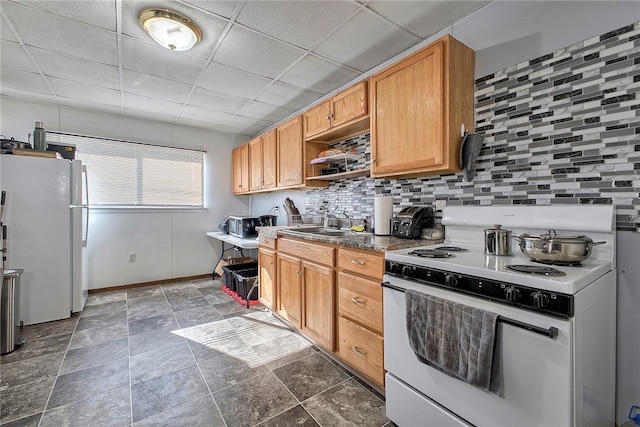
[[358, 350], [358, 300], [358, 262]]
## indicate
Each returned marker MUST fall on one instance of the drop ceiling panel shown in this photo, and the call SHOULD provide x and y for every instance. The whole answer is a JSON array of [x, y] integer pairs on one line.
[[22, 80], [282, 94], [72, 68], [145, 84], [208, 99], [94, 12], [150, 105], [5, 31], [62, 35], [268, 112], [205, 115], [160, 62], [75, 90], [318, 74], [252, 52], [424, 18], [223, 8], [366, 42], [210, 25], [247, 122], [226, 80], [12, 55], [301, 23]]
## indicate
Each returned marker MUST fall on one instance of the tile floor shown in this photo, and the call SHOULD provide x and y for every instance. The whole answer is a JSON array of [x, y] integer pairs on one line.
[[182, 354]]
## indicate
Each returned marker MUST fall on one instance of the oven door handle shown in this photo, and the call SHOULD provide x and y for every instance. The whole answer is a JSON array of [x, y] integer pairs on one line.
[[551, 332]]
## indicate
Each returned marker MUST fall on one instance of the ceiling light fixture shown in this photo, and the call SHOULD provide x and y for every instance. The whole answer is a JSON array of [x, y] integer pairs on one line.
[[170, 29]]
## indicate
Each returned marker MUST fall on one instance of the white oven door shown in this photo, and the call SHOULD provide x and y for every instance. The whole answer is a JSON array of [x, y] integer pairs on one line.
[[536, 370]]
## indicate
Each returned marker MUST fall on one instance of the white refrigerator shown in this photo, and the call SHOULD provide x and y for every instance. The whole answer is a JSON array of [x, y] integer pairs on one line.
[[47, 218]]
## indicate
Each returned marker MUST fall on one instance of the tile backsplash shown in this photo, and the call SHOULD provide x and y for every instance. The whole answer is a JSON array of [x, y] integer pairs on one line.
[[559, 129]]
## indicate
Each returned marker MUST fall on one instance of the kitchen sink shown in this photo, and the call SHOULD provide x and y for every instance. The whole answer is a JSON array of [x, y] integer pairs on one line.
[[325, 232]]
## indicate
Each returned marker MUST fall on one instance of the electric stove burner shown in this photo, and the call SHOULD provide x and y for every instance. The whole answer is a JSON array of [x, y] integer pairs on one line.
[[535, 269], [452, 249], [431, 253]]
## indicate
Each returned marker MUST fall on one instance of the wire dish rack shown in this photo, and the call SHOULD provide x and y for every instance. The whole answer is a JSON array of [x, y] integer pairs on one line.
[[297, 219]]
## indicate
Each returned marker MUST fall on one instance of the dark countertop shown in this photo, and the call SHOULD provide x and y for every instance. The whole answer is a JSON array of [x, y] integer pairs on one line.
[[369, 242]]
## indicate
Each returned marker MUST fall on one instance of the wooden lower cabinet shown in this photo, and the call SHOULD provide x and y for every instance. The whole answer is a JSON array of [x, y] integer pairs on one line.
[[362, 349], [318, 304], [289, 289], [338, 308], [267, 277]]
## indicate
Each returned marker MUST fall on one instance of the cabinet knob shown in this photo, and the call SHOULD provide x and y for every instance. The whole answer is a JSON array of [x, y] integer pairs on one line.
[[299, 272], [358, 300]]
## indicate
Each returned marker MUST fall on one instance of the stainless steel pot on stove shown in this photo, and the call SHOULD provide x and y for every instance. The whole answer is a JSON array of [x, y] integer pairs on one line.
[[497, 241], [554, 248]]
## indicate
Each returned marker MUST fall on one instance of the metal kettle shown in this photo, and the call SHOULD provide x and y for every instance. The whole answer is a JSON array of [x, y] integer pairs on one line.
[[497, 241]]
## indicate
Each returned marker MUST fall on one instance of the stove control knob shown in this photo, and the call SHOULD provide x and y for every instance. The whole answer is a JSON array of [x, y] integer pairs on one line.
[[512, 294], [408, 271], [451, 280], [540, 300], [394, 268]]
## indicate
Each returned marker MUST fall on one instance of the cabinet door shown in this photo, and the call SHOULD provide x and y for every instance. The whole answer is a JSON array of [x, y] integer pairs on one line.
[[269, 162], [289, 289], [408, 114], [240, 165], [290, 150], [318, 304], [255, 164], [267, 277], [349, 104], [317, 119]]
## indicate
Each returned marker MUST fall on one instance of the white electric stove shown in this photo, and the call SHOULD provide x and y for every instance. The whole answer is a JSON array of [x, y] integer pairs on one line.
[[556, 322]]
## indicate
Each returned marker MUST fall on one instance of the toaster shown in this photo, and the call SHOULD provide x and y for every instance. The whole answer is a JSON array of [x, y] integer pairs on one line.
[[410, 221]]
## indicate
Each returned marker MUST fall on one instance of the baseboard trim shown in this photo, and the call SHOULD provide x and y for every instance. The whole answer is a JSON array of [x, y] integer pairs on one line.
[[151, 283]]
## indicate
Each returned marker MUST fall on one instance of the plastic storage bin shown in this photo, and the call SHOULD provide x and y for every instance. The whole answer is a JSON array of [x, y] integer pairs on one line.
[[244, 282], [229, 269]]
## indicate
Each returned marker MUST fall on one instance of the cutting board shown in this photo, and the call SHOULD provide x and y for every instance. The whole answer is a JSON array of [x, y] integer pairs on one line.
[[35, 153]]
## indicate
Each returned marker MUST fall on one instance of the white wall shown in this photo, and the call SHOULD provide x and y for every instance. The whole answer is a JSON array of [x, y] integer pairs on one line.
[[167, 244]]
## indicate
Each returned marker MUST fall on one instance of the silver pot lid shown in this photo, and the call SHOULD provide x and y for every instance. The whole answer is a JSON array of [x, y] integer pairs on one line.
[[551, 235]]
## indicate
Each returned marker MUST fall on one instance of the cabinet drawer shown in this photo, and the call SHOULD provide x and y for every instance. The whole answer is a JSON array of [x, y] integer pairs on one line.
[[311, 251], [267, 242], [366, 263], [362, 349], [360, 300]]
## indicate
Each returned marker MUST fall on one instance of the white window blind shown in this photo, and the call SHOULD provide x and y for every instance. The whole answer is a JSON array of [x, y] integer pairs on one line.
[[131, 174]]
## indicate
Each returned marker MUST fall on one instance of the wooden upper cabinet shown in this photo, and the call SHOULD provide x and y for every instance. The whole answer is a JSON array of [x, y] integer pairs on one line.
[[317, 119], [269, 159], [290, 151], [262, 162], [240, 165], [255, 162], [343, 115], [417, 108]]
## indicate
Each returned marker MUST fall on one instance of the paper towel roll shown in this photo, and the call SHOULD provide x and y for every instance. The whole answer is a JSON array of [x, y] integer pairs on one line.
[[382, 214]]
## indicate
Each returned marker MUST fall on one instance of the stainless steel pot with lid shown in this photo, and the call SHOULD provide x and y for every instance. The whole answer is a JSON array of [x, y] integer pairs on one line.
[[497, 241], [554, 248]]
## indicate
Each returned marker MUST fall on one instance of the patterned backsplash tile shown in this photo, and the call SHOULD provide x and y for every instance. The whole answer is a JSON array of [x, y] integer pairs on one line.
[[559, 129]]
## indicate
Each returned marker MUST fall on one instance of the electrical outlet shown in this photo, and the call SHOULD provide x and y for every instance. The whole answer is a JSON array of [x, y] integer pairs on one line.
[[132, 257], [440, 204]]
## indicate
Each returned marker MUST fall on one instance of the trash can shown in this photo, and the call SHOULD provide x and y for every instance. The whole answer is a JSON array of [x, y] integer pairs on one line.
[[10, 311]]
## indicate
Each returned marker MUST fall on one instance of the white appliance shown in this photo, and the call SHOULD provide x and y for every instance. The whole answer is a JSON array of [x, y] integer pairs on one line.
[[46, 214], [556, 335]]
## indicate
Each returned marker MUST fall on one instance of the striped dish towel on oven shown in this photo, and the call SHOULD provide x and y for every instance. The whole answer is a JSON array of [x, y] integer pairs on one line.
[[456, 339]]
